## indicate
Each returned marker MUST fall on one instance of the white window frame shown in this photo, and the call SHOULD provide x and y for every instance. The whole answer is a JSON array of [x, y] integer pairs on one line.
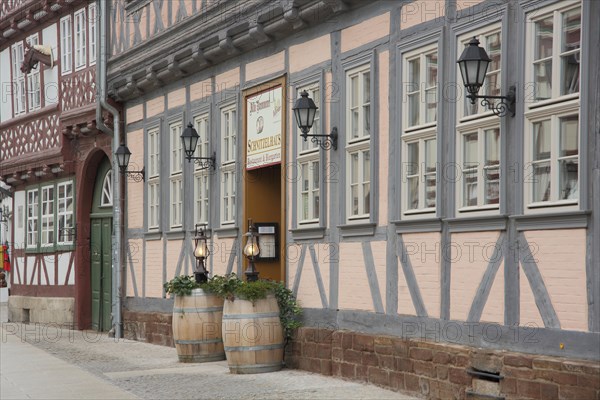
[[309, 158], [556, 107], [47, 227], [228, 134], [18, 87], [66, 45], [176, 178], [34, 90], [407, 57], [64, 214], [479, 128], [92, 33], [33, 202], [421, 175], [555, 10], [482, 35], [153, 180], [202, 176], [107, 190], [80, 28], [554, 114], [360, 144]]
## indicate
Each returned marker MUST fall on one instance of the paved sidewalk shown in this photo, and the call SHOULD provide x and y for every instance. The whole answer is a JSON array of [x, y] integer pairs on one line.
[[46, 362]]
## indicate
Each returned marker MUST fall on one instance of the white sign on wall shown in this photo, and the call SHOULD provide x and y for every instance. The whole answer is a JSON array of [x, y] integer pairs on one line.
[[264, 128]]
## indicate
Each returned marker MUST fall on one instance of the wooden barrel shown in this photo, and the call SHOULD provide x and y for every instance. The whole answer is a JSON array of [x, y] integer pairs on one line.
[[253, 336], [197, 322]]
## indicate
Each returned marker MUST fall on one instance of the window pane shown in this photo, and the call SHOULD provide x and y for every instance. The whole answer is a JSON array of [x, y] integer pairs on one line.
[[492, 146], [430, 190], [571, 30], [412, 161], [543, 38], [315, 174], [543, 80], [432, 61], [541, 140], [431, 98], [354, 168], [413, 108], [569, 179], [430, 155], [494, 51], [470, 188], [413, 193], [541, 181], [366, 87], [569, 136], [366, 182], [470, 151], [414, 74], [570, 73]]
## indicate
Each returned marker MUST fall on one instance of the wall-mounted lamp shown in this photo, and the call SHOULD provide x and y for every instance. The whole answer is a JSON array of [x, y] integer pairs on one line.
[[305, 111], [251, 250], [190, 139], [473, 63], [123, 155], [200, 253]]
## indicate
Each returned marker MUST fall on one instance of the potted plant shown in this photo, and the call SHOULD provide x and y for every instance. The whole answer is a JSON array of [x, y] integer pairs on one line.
[[197, 320], [258, 320]]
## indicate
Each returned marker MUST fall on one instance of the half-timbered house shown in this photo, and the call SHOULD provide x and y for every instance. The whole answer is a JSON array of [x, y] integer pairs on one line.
[[434, 228], [55, 158]]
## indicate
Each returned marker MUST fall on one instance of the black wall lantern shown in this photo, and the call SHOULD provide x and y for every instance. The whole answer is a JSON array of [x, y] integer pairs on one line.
[[305, 111], [123, 155], [190, 139], [251, 250], [473, 63], [200, 253]]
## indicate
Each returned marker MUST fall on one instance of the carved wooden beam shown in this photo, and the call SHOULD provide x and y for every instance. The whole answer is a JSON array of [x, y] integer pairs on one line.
[[226, 44], [291, 14], [336, 5], [257, 33]]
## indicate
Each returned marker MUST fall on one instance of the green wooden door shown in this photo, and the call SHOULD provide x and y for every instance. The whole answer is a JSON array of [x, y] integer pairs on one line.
[[101, 248], [101, 264]]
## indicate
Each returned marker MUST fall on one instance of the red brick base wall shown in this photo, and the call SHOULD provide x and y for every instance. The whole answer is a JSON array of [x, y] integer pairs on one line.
[[149, 327], [438, 370]]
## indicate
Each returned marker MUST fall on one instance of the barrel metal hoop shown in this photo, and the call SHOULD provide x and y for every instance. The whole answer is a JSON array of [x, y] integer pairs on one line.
[[196, 310], [198, 341], [254, 348], [256, 366], [251, 316]]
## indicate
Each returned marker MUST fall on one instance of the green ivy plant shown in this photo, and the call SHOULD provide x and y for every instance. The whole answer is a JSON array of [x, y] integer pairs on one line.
[[231, 287], [181, 285]]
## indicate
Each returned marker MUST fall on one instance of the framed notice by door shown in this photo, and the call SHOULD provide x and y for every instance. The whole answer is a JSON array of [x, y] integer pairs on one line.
[[264, 124]]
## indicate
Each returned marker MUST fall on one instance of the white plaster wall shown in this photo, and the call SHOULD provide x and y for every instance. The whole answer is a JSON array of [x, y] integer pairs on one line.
[[50, 261], [19, 217], [18, 270], [63, 268], [51, 92], [5, 88]]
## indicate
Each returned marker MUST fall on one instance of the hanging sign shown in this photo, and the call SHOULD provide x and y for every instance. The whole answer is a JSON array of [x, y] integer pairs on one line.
[[264, 126]]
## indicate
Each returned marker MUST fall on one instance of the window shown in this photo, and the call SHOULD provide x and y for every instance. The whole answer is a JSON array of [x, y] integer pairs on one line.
[[153, 178], [314, 92], [92, 25], [50, 216], [556, 56], [420, 171], [80, 40], [358, 160], [554, 171], [65, 210], [201, 177], [47, 215], [478, 138], [106, 199], [66, 44], [228, 179], [490, 39], [552, 119], [419, 144], [32, 217], [480, 168], [18, 79], [309, 177], [176, 175], [33, 81], [421, 88]]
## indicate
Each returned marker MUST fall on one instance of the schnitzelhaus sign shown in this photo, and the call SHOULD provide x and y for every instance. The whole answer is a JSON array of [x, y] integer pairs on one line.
[[264, 128]]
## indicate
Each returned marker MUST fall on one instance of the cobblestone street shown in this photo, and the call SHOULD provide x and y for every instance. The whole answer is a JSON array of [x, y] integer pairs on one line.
[[92, 365]]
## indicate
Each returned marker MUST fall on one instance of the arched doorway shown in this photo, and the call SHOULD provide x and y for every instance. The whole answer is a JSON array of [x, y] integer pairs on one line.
[[101, 248]]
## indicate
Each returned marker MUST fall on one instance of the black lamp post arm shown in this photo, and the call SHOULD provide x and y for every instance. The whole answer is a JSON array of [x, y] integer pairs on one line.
[[503, 107], [135, 176], [204, 162], [329, 142]]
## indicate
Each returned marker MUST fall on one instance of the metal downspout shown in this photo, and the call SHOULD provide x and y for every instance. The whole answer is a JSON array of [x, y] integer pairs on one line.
[[118, 201]]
